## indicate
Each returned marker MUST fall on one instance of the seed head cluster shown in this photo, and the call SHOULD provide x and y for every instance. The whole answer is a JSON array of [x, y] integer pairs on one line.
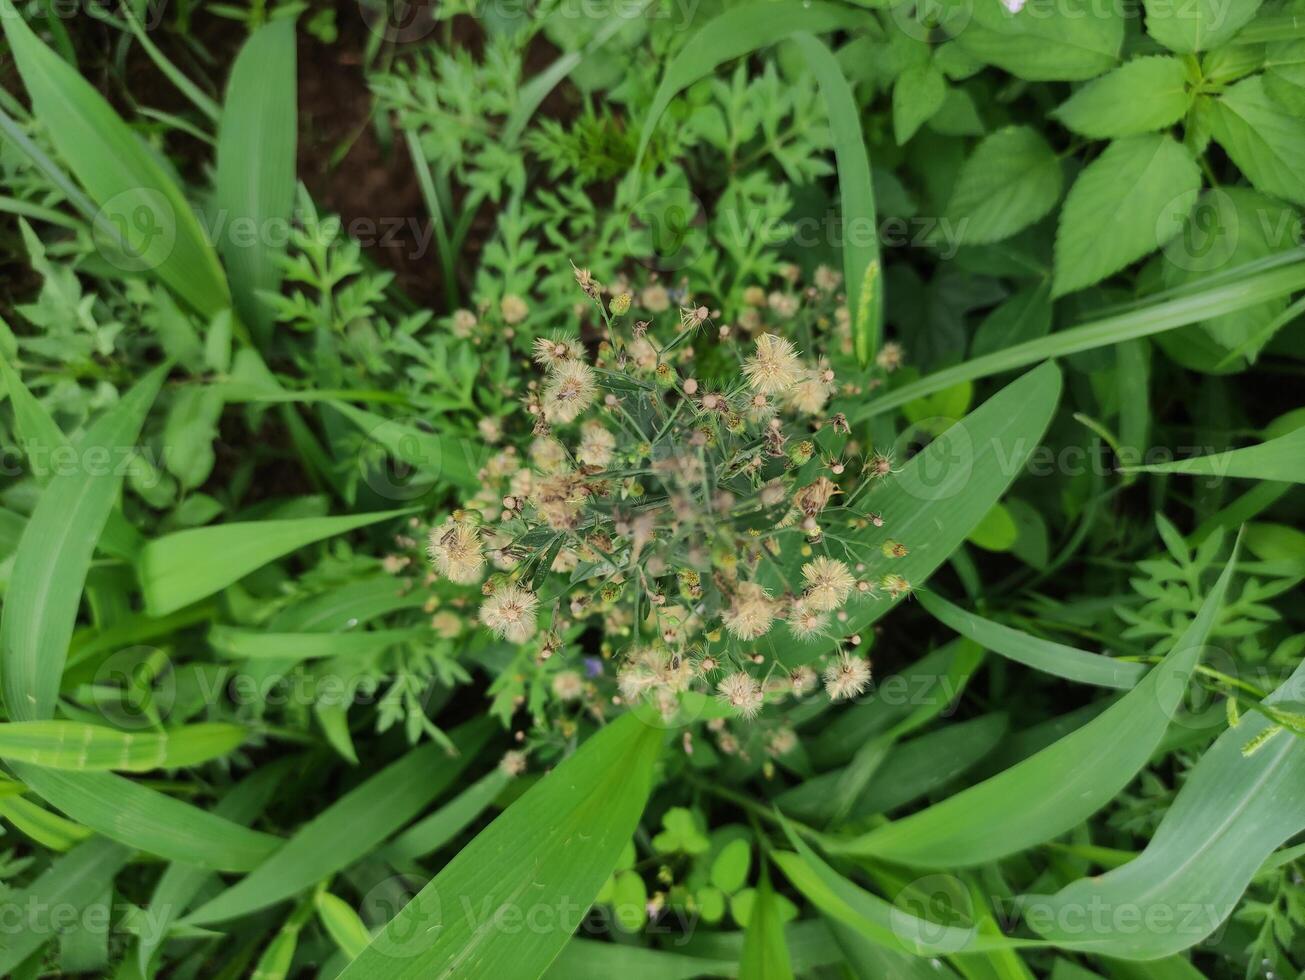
[[668, 523]]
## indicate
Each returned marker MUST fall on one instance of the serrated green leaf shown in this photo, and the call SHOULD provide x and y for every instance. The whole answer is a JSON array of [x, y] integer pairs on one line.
[[1197, 26], [918, 93], [1265, 140], [1125, 204], [1045, 40], [1140, 96], [1010, 181]]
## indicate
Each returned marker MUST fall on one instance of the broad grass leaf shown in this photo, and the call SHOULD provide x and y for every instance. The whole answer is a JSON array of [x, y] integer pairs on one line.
[[765, 955], [930, 684], [1125, 204], [42, 440], [1047, 40], [1264, 139], [936, 499], [871, 961], [588, 959], [72, 881], [181, 882], [351, 827], [1010, 180], [1200, 25], [186, 566], [1228, 817], [861, 271], [1061, 785], [540, 863], [54, 556], [1281, 459], [912, 769], [1032, 651], [1140, 96], [342, 924], [434, 831], [255, 182], [251, 644], [149, 821], [76, 746], [877, 919], [1236, 291], [140, 208]]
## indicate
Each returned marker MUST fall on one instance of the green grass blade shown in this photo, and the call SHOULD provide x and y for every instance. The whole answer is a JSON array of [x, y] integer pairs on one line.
[[350, 827], [1044, 655], [73, 745], [342, 924], [135, 196], [41, 437], [147, 820], [865, 296], [54, 557], [252, 644], [1166, 314], [734, 33], [256, 167], [72, 881], [181, 882], [765, 955], [912, 769], [542, 861], [588, 959], [876, 919], [1228, 817], [936, 499], [433, 832], [1281, 459], [170, 577], [1058, 787]]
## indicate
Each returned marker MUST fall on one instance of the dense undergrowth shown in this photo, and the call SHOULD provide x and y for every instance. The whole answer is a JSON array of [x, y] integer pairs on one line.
[[752, 489]]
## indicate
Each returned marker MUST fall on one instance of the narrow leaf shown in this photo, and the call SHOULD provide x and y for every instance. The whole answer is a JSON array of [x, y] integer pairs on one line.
[[542, 861], [186, 566], [54, 556], [1060, 786], [1044, 655]]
